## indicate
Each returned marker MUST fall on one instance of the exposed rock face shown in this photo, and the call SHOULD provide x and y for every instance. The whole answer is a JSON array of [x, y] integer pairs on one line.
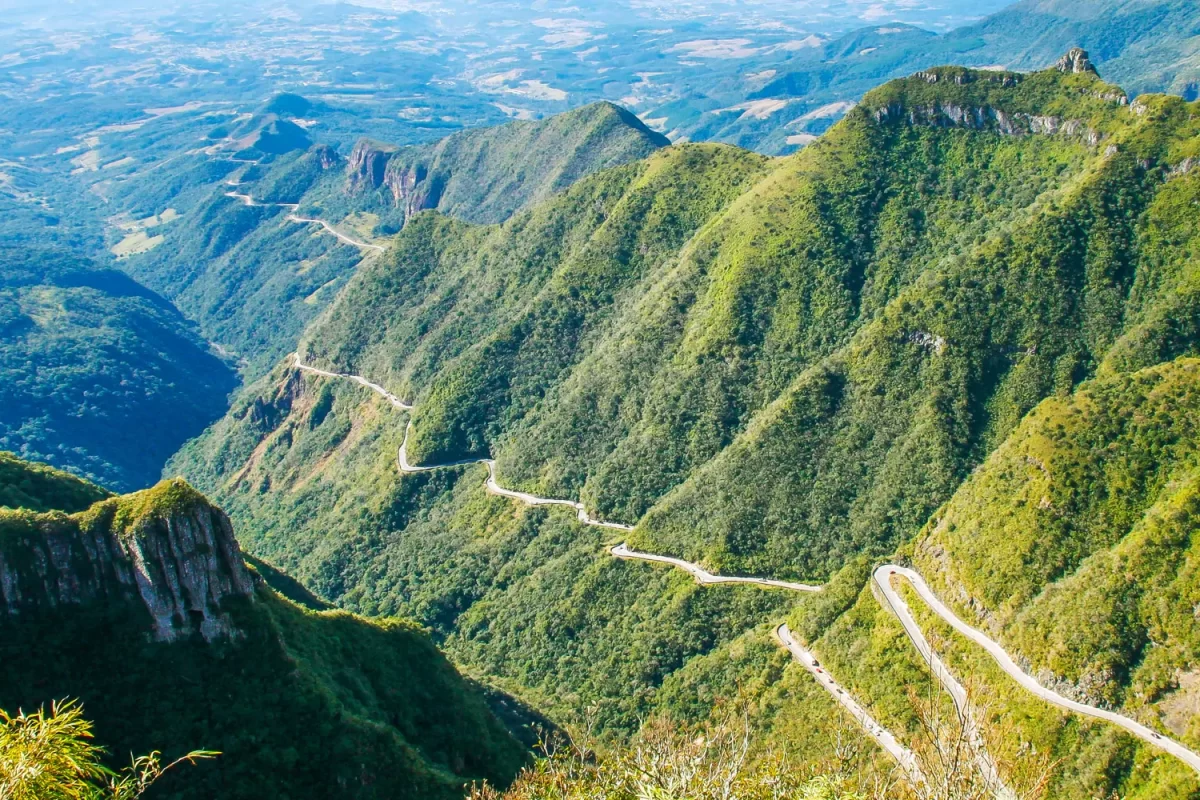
[[950, 115], [412, 187], [166, 550], [327, 156], [1075, 61], [368, 161]]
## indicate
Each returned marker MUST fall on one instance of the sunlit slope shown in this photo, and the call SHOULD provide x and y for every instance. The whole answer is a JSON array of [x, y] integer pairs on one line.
[[781, 367]]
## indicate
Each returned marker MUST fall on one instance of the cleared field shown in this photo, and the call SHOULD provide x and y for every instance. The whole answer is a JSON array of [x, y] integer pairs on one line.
[[134, 243]]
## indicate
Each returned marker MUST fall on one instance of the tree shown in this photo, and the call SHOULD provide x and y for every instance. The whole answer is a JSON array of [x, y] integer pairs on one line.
[[52, 756]]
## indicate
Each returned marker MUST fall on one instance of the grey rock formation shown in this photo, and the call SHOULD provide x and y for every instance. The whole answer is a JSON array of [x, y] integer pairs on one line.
[[367, 163], [166, 550], [1075, 61]]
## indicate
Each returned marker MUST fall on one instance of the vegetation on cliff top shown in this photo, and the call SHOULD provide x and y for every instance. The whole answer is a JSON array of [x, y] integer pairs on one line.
[[300, 703], [24, 484]]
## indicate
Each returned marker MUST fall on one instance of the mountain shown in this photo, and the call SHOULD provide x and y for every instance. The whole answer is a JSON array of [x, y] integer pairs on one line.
[[142, 607], [484, 175], [98, 375], [252, 278], [780, 367], [1144, 45]]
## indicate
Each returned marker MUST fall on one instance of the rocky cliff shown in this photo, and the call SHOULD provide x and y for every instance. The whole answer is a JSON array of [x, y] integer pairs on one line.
[[485, 175], [366, 165], [165, 550], [955, 97]]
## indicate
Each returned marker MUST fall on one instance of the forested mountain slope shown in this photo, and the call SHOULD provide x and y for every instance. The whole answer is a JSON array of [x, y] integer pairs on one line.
[[253, 278], [98, 375], [484, 175], [198, 653], [777, 367]]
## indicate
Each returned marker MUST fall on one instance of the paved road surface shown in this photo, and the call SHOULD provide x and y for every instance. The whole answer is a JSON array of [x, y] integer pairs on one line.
[[883, 737], [883, 576], [294, 217], [705, 577]]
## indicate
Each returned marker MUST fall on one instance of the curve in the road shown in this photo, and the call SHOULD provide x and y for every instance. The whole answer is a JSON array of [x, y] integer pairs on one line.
[[705, 577], [294, 217], [883, 576], [882, 579]]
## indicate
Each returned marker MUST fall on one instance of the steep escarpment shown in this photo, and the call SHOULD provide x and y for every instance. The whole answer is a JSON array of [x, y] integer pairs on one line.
[[165, 552], [142, 607], [486, 175]]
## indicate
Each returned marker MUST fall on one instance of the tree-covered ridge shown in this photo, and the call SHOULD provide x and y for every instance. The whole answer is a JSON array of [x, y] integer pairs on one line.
[[37, 487], [642, 358], [299, 703], [485, 175], [947, 369], [98, 375]]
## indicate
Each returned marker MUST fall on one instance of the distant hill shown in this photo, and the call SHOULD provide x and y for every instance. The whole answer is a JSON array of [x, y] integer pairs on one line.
[[253, 280], [288, 105], [486, 174], [1144, 45], [199, 653], [98, 375]]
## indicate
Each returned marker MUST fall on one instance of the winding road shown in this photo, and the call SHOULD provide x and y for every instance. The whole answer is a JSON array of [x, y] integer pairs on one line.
[[882, 578], [883, 737], [294, 217]]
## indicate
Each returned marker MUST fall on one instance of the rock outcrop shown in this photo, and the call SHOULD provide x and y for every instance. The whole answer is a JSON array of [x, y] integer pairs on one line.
[[484, 175], [984, 101], [1075, 61], [165, 550], [402, 172], [412, 187]]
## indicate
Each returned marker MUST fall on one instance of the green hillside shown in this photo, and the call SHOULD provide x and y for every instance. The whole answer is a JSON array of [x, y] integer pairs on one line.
[[1095, 496], [776, 367], [484, 175], [98, 375], [253, 280], [299, 703], [38, 487]]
